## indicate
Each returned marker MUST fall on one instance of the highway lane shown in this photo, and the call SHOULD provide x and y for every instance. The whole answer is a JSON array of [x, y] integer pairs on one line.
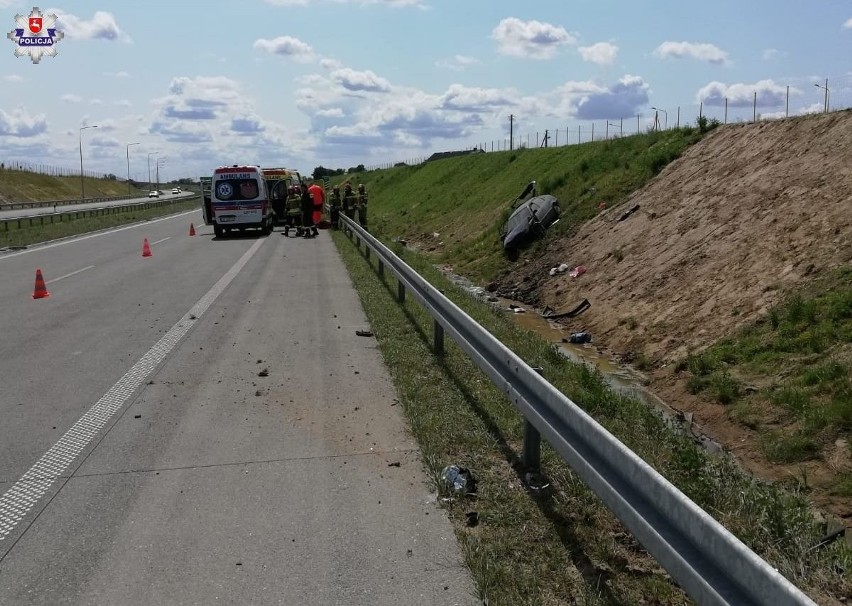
[[47, 210], [210, 482]]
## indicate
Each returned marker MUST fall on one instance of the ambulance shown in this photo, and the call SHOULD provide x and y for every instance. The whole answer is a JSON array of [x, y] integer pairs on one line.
[[240, 200], [278, 183]]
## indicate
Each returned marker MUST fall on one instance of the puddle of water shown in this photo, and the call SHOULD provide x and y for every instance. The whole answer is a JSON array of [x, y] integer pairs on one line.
[[622, 380]]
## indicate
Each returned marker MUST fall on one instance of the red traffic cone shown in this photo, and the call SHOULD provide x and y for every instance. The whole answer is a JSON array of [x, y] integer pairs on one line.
[[40, 291], [191, 229], [146, 248]]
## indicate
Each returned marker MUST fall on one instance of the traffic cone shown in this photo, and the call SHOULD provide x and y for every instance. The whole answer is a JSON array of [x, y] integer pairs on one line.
[[191, 229], [40, 291], [146, 249]]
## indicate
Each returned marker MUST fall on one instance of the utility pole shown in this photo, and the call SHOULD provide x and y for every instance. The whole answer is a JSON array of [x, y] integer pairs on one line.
[[511, 132]]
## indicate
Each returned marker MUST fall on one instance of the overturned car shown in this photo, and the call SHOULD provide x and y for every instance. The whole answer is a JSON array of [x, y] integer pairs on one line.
[[529, 220]]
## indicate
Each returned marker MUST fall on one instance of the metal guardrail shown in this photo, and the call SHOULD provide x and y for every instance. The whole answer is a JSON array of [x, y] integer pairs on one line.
[[60, 216], [707, 561], [21, 205]]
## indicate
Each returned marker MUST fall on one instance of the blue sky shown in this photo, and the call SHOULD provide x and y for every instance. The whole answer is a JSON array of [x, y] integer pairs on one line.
[[337, 83]]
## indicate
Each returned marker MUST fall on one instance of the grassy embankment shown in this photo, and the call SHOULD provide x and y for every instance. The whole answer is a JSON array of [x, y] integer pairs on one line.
[[564, 545], [21, 186]]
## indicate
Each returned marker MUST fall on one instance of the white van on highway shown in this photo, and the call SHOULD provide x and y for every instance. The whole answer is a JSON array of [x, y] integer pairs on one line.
[[240, 200]]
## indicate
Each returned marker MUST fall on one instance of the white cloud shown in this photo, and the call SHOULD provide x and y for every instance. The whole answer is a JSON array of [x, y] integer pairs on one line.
[[102, 26], [464, 98], [123, 103], [21, 124], [602, 53], [287, 46], [530, 39], [71, 98], [620, 100], [769, 94], [121, 74], [701, 51], [457, 63], [848, 24], [358, 81], [331, 112], [770, 54], [13, 78], [96, 102]]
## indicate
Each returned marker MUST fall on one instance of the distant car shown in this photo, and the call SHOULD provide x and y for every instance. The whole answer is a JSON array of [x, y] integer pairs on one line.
[[153, 194], [176, 190]]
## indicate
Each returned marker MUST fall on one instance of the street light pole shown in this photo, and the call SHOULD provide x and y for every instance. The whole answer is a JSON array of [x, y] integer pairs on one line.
[[825, 88], [127, 149], [82, 185], [149, 168], [665, 116], [163, 159]]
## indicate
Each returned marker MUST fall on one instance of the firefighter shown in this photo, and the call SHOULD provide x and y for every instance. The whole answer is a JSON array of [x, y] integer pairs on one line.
[[293, 215], [362, 205], [349, 200], [309, 229], [336, 202]]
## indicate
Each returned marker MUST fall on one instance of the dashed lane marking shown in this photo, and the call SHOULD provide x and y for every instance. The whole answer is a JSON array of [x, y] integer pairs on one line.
[[17, 502]]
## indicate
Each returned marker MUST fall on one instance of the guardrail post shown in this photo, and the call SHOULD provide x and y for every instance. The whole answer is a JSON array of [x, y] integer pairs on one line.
[[438, 343], [400, 292], [532, 443], [381, 268], [367, 252]]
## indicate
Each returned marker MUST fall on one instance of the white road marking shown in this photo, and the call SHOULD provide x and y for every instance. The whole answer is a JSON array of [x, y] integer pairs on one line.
[[163, 240], [34, 484], [73, 273], [3, 257]]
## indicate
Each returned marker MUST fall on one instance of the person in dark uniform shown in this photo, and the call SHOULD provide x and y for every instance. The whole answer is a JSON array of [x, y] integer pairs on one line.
[[362, 205], [336, 202], [293, 214], [349, 200], [309, 228]]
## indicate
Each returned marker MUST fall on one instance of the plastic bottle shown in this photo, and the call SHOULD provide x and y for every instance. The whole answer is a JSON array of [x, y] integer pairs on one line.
[[455, 479], [580, 337]]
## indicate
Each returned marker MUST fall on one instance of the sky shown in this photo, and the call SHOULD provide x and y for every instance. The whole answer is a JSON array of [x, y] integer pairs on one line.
[[190, 86]]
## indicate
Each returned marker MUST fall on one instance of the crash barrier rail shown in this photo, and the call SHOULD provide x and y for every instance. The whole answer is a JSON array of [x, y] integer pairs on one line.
[[69, 215], [17, 205], [706, 560]]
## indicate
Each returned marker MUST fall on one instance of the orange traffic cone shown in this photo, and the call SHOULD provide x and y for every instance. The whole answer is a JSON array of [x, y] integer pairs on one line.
[[191, 229], [146, 249], [40, 291]]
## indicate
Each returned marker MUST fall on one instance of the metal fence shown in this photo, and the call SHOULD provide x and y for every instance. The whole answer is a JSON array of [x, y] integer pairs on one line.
[[826, 96], [710, 564], [46, 169]]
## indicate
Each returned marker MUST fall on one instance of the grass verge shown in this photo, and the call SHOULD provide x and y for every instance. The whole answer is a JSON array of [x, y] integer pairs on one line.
[[561, 544], [27, 235]]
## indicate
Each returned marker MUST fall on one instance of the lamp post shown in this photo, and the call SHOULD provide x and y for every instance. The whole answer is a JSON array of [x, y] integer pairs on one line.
[[608, 124], [665, 116], [127, 149], [149, 168], [82, 185], [163, 161], [825, 88]]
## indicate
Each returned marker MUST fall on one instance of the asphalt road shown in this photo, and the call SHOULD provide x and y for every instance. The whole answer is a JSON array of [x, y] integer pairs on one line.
[[204, 426], [47, 210]]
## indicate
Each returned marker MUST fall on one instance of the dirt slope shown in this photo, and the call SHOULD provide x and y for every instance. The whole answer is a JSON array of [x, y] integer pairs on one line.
[[719, 233]]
